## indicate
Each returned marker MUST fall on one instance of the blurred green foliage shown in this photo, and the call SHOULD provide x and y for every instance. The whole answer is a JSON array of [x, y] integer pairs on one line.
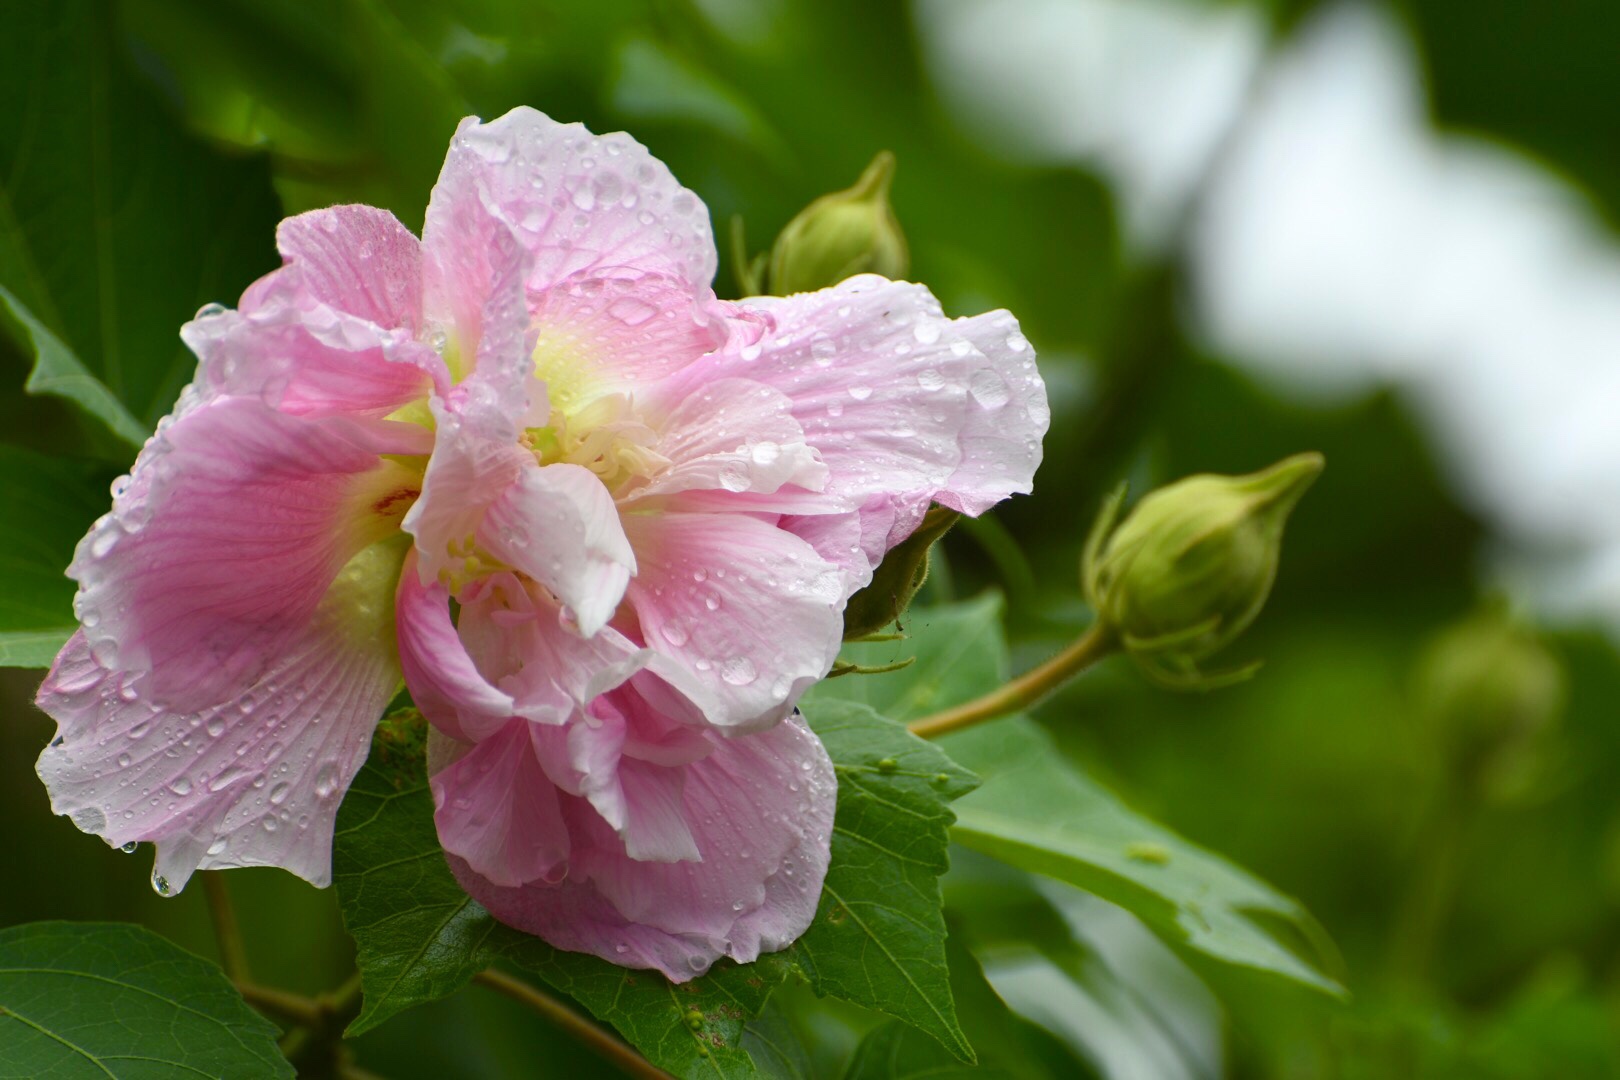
[[191, 120]]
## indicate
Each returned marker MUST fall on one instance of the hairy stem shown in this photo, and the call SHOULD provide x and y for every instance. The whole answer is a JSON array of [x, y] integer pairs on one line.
[[227, 931], [600, 1042], [1023, 691]]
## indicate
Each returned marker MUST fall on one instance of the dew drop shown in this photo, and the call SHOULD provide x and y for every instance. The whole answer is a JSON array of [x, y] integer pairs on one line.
[[674, 633], [860, 393], [989, 389], [181, 785], [160, 884], [926, 332], [129, 848], [326, 779], [279, 793], [738, 671]]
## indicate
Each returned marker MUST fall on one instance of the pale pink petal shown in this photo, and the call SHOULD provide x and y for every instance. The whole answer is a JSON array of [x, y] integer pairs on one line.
[[760, 809], [444, 683], [856, 542], [895, 396], [509, 655], [249, 776], [615, 333], [1001, 442], [226, 536], [750, 614], [466, 474], [581, 203], [359, 260], [309, 360], [732, 436], [495, 808], [558, 524]]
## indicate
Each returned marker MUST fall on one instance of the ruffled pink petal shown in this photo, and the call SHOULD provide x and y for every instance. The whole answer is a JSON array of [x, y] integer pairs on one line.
[[891, 392], [580, 203], [1001, 441], [856, 541], [511, 655], [618, 332], [495, 809], [249, 776], [558, 524], [760, 810], [466, 474], [336, 330], [748, 614], [733, 436], [309, 360], [230, 530], [444, 683], [359, 260]]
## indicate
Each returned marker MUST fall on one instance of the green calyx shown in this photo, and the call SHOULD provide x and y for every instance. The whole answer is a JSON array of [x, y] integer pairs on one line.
[[1191, 566], [842, 234]]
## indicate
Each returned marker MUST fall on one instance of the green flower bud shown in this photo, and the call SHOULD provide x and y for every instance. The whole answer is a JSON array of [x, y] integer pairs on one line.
[[1491, 692], [839, 235], [1191, 566]]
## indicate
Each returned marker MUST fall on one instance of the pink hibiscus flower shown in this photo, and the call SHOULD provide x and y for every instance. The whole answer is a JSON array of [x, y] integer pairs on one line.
[[602, 523]]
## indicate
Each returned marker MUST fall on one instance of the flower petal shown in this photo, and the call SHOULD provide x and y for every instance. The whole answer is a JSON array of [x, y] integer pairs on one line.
[[557, 523], [228, 533], [581, 203], [1001, 441], [359, 260], [495, 808], [760, 808], [443, 681], [615, 333], [747, 615], [254, 776], [730, 436]]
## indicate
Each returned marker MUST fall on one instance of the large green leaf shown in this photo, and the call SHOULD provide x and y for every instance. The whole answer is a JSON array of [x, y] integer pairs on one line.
[[1037, 810], [115, 225], [419, 936], [109, 1000], [878, 938], [49, 502]]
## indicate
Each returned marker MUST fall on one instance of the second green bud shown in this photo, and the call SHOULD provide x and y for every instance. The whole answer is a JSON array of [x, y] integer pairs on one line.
[[1191, 566]]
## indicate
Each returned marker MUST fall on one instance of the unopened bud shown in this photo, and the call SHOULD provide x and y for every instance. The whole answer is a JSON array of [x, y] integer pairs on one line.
[[1491, 691], [1191, 566], [839, 235]]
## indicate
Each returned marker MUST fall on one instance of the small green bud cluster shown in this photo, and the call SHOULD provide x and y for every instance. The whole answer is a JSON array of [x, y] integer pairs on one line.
[[1491, 692], [1191, 566], [840, 235]]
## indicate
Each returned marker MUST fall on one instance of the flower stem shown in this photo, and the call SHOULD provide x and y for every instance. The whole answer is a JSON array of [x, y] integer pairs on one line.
[[294, 1007], [1024, 691], [599, 1041], [227, 931]]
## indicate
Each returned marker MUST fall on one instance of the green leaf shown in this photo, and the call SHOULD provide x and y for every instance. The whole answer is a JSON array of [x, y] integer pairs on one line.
[[878, 938], [420, 937], [50, 503], [58, 371], [1037, 810], [115, 225], [109, 1000]]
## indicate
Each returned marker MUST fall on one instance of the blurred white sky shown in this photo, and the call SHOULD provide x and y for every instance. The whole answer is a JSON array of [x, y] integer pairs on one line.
[[1341, 243]]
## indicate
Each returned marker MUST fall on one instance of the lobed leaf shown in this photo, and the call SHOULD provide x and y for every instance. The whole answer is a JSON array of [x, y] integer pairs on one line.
[[115, 224], [1038, 810], [110, 1000], [878, 938]]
